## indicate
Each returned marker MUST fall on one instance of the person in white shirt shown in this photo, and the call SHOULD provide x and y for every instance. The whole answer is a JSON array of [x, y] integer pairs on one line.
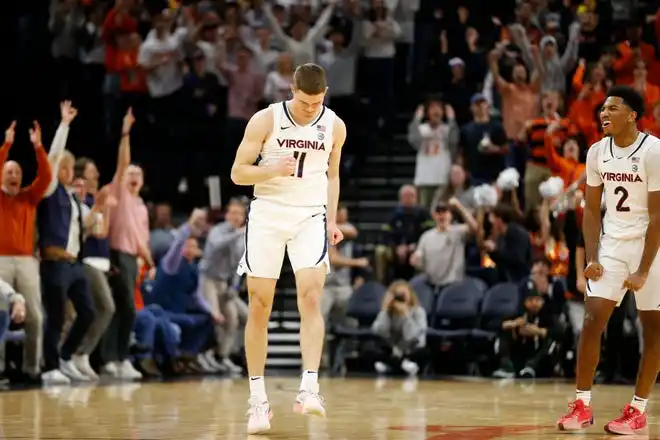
[[436, 142], [278, 82]]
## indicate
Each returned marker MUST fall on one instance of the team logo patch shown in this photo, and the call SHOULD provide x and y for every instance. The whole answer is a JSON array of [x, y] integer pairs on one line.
[[321, 128], [635, 160], [321, 136], [634, 168]]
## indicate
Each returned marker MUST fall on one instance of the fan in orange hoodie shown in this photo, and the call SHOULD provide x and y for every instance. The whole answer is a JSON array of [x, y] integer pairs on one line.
[[567, 166], [629, 52], [650, 92]]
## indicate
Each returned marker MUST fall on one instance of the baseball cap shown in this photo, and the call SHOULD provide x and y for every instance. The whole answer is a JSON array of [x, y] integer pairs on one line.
[[478, 97], [456, 61]]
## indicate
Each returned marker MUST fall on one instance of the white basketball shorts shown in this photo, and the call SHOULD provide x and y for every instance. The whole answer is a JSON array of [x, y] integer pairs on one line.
[[620, 258], [272, 227]]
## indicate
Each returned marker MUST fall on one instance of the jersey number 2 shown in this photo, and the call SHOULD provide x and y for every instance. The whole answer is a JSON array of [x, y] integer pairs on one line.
[[300, 157], [623, 196]]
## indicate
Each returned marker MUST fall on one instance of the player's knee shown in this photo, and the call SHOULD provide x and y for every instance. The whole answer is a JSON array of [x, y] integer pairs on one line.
[[309, 300], [594, 323]]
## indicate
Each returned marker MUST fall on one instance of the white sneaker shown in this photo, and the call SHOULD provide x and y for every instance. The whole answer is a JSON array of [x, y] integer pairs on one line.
[[209, 357], [410, 367], [126, 371], [259, 416], [204, 364], [111, 369], [54, 377], [309, 403], [82, 364], [381, 368], [68, 368], [231, 367]]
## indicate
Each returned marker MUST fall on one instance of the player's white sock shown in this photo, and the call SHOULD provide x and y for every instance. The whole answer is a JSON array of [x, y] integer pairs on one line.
[[584, 396], [309, 381], [639, 403], [258, 388]]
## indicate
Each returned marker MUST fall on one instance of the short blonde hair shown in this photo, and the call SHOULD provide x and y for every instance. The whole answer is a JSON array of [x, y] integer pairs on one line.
[[67, 156]]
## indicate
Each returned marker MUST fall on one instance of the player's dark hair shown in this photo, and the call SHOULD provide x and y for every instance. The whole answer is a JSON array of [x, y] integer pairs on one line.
[[310, 79], [630, 97]]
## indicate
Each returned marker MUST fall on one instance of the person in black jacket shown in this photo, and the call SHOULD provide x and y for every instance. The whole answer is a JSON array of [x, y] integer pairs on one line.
[[527, 342], [510, 247]]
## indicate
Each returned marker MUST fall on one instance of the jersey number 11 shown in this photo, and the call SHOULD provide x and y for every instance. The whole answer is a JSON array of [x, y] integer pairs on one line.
[[300, 157]]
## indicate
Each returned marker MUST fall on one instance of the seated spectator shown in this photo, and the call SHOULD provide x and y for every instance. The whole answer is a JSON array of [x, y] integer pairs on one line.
[[436, 143], [402, 325], [225, 245], [401, 235], [440, 253], [12, 308], [552, 290], [175, 289], [509, 247], [526, 341], [18, 267]]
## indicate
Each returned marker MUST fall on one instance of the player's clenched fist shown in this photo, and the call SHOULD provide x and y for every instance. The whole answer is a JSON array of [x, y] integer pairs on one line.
[[634, 282], [284, 167], [593, 271]]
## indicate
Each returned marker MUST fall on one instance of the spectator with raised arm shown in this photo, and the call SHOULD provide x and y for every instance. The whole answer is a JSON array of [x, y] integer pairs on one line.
[[129, 239], [176, 290], [18, 207], [302, 42], [61, 221], [225, 245]]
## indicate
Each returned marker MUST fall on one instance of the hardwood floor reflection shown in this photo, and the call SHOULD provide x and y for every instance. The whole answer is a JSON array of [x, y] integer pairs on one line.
[[358, 409]]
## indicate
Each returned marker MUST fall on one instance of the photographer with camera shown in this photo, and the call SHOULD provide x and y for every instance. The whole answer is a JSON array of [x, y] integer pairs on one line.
[[528, 341], [402, 325]]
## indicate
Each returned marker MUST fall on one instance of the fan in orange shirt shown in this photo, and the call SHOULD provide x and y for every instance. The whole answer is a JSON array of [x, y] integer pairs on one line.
[[640, 83], [651, 122], [567, 166], [629, 52]]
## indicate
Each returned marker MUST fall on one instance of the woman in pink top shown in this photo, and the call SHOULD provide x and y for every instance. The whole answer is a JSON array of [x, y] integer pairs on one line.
[[129, 240]]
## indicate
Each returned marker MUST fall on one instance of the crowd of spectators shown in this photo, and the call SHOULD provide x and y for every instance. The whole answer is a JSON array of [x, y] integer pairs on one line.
[[510, 94]]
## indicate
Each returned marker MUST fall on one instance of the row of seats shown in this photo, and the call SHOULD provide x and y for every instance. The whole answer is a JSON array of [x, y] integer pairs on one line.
[[464, 309]]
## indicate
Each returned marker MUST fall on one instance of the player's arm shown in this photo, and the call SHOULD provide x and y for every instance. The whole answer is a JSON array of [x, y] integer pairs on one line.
[[244, 171], [591, 217], [652, 241], [339, 132]]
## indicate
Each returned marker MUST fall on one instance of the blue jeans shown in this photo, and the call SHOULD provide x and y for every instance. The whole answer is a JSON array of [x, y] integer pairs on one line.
[[196, 329], [154, 330], [4, 324]]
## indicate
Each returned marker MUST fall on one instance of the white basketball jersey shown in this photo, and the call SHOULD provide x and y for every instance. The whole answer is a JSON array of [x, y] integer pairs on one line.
[[310, 145], [627, 175]]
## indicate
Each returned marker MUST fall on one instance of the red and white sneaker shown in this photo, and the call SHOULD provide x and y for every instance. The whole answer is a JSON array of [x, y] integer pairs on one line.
[[631, 422], [579, 416]]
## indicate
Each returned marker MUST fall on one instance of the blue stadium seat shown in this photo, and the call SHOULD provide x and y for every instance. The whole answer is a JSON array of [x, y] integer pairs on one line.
[[500, 302], [364, 305], [456, 310]]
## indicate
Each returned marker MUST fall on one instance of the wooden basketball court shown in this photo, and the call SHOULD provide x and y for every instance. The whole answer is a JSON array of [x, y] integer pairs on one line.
[[358, 409]]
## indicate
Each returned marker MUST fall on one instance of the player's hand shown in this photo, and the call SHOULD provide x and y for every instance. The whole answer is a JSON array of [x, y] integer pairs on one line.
[[285, 167], [334, 234], [635, 281], [593, 271], [10, 133]]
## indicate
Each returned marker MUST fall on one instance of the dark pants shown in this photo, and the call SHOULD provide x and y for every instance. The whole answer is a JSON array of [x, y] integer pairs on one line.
[[381, 351], [4, 323], [115, 343], [520, 353], [154, 330], [61, 280]]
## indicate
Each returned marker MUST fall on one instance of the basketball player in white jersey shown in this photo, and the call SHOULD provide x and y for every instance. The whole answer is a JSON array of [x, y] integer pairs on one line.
[[620, 253], [296, 190]]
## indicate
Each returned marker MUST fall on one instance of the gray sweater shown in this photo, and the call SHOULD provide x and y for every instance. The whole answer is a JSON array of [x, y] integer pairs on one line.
[[405, 332]]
